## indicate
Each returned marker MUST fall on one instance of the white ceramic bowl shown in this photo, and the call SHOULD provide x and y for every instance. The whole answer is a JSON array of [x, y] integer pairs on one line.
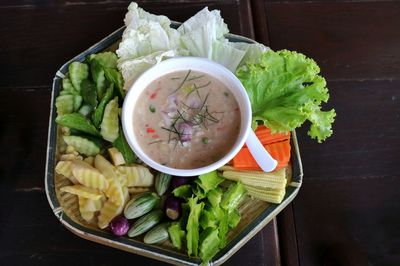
[[183, 64]]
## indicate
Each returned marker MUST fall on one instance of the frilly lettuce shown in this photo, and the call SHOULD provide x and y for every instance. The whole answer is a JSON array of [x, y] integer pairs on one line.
[[285, 90]]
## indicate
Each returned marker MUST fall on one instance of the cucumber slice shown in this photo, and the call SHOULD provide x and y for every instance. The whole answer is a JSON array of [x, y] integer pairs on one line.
[[82, 145], [109, 125]]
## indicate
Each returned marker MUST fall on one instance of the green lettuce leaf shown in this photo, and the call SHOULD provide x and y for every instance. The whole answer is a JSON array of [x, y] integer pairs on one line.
[[285, 90], [183, 192], [176, 234], [209, 244], [209, 181], [233, 196], [233, 218], [214, 197], [192, 227]]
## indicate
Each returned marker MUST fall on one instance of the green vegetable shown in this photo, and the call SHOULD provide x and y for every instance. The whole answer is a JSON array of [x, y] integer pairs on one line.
[[156, 235], [122, 146], [82, 145], [115, 77], [209, 244], [209, 181], [214, 197], [141, 204], [162, 183], [223, 227], [152, 109], [145, 223], [105, 59], [99, 63], [77, 102], [184, 191], [65, 104], [233, 218], [68, 87], [78, 122], [208, 219], [176, 234], [98, 113], [77, 73], [98, 77], [285, 90], [109, 125], [192, 227], [198, 191], [233, 196], [205, 140], [85, 110], [89, 93]]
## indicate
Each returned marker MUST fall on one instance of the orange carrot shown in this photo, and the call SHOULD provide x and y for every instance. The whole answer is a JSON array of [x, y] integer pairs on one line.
[[266, 137], [280, 151]]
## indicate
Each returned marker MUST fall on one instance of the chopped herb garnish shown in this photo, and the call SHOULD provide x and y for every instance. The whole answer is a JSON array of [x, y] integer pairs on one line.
[[205, 140], [183, 82], [226, 93], [196, 77], [154, 142], [152, 108]]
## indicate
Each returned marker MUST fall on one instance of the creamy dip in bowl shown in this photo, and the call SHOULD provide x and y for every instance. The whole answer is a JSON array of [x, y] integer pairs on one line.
[[186, 116]]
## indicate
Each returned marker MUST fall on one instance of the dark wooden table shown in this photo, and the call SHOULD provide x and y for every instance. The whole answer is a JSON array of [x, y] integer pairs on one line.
[[347, 212]]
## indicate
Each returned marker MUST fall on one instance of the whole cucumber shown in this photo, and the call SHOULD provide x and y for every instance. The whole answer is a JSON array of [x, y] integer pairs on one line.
[[141, 204], [158, 234], [145, 223], [162, 183]]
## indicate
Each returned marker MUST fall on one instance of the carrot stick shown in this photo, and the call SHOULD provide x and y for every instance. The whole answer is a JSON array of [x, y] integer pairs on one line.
[[266, 137], [280, 151]]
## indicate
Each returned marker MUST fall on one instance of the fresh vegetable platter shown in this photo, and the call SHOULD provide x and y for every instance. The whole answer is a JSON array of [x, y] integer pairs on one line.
[[100, 191]]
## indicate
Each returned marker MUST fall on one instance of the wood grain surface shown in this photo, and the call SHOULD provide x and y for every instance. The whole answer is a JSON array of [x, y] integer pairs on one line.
[[346, 212]]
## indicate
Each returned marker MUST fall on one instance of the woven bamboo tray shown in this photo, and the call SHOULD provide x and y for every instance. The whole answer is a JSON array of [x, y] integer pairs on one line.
[[255, 213]]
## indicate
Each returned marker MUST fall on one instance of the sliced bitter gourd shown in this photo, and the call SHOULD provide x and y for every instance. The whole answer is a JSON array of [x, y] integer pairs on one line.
[[77, 73], [65, 104], [85, 110], [82, 145], [77, 102], [68, 87], [109, 125], [98, 113]]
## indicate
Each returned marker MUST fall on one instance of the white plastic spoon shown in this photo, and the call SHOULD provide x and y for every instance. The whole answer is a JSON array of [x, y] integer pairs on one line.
[[260, 154]]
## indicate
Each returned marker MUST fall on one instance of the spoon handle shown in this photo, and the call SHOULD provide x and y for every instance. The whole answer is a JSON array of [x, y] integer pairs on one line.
[[260, 154]]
